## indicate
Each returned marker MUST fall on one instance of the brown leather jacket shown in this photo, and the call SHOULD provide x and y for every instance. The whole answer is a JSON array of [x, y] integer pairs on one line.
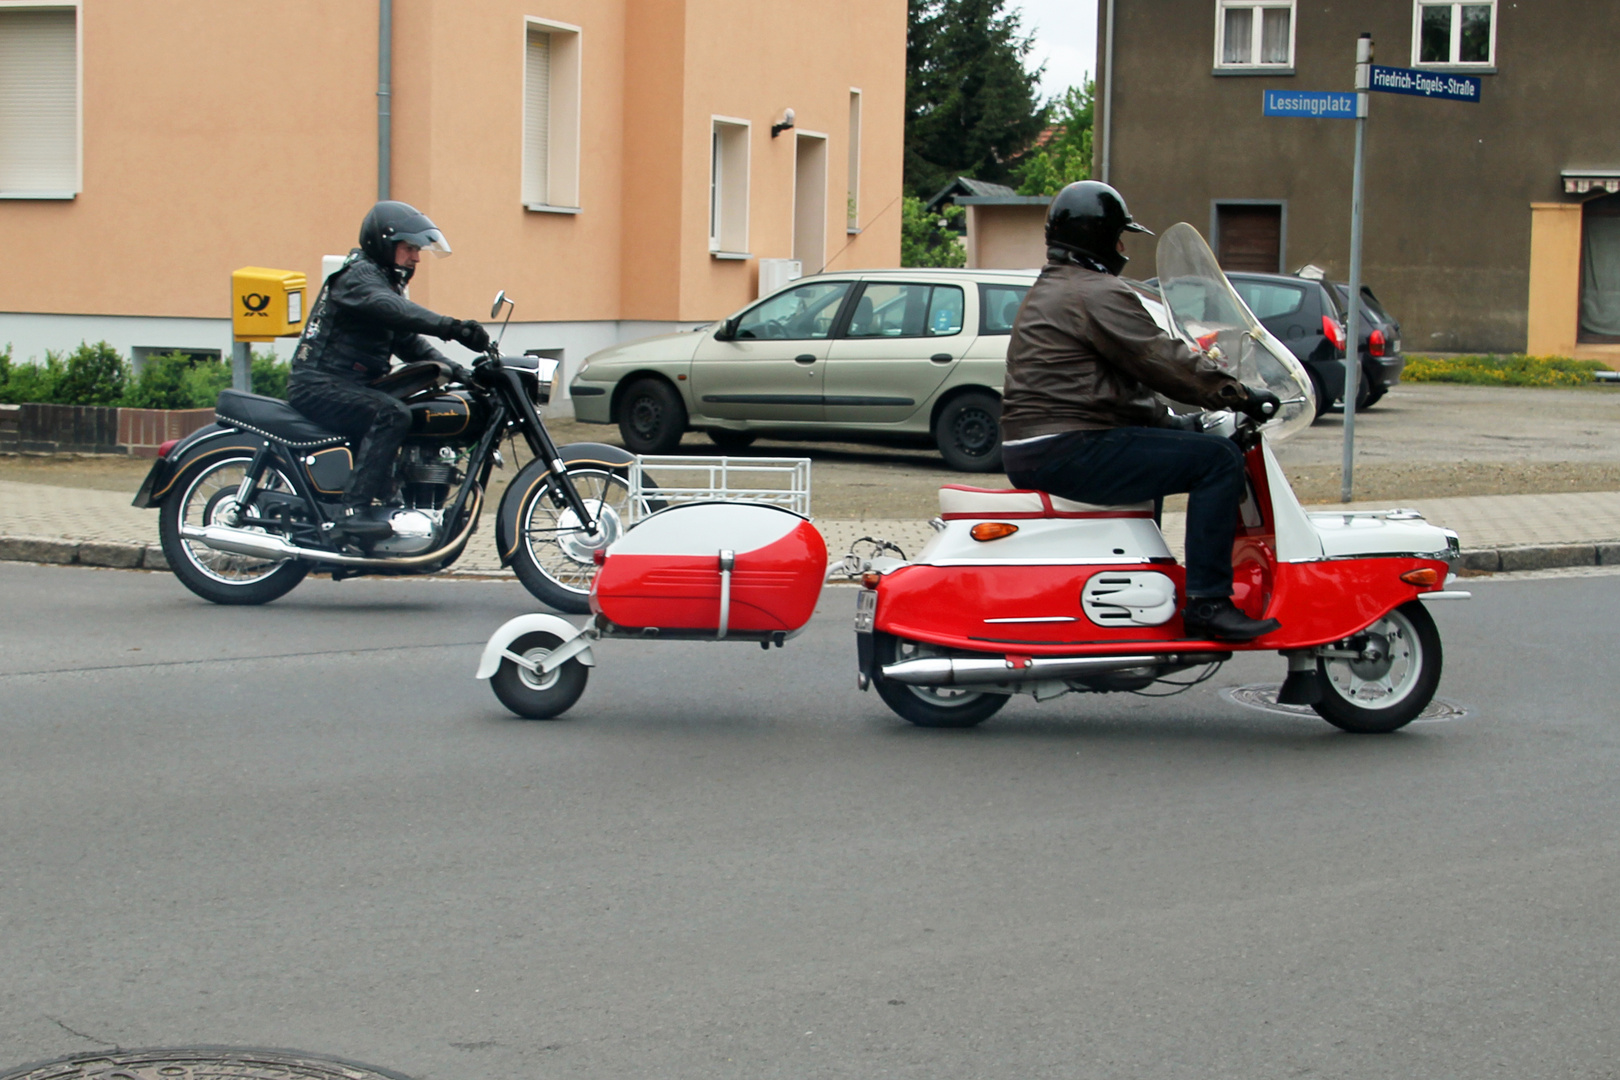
[[1085, 354]]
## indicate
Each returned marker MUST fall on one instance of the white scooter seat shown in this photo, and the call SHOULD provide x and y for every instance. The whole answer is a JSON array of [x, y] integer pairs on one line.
[[958, 502]]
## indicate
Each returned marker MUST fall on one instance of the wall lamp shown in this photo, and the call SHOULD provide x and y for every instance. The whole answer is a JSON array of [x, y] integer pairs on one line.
[[783, 124]]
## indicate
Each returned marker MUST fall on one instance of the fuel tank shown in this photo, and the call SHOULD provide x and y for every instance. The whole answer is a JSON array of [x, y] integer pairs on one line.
[[451, 416]]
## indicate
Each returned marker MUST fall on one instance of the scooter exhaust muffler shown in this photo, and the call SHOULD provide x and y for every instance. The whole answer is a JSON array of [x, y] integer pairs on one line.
[[959, 671]]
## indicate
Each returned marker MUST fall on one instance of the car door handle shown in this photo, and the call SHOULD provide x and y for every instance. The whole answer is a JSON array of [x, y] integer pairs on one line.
[[941, 358], [805, 358]]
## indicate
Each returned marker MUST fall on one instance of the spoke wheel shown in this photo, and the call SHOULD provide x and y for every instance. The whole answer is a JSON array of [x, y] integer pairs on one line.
[[556, 558], [538, 695], [930, 706], [1393, 682], [208, 497]]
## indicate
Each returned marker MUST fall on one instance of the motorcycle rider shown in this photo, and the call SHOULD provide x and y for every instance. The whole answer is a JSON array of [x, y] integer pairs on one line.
[[360, 319], [1079, 417]]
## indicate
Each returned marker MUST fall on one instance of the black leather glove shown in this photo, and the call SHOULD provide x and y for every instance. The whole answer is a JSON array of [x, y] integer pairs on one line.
[[467, 332], [1260, 405], [1184, 422]]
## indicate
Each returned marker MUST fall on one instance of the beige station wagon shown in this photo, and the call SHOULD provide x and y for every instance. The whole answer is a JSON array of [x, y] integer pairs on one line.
[[872, 355]]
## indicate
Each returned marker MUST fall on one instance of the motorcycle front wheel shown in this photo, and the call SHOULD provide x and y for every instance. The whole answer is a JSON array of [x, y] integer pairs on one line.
[[929, 706], [1377, 696], [206, 495], [555, 558]]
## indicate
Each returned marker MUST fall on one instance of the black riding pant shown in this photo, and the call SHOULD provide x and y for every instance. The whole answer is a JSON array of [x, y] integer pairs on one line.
[[355, 411], [1134, 464]]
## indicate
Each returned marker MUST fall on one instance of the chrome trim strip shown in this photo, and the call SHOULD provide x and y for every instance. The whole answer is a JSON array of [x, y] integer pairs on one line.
[[1037, 619]]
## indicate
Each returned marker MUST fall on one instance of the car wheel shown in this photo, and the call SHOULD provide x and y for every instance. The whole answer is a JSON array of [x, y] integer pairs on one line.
[[652, 417], [968, 432], [1323, 402]]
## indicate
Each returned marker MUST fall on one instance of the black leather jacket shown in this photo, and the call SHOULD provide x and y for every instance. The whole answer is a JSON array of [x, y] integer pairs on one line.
[[359, 320]]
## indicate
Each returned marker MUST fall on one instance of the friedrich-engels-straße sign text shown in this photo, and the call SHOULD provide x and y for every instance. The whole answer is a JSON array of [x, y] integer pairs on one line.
[[1430, 84]]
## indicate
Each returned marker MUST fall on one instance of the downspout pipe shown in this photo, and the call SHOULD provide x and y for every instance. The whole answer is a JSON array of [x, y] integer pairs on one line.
[[1108, 89], [385, 95]]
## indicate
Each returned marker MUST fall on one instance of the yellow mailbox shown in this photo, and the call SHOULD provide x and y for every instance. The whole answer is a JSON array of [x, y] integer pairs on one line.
[[266, 304]]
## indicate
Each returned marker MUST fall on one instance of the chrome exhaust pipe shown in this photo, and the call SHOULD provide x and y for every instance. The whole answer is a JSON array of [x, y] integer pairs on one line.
[[259, 545], [959, 671]]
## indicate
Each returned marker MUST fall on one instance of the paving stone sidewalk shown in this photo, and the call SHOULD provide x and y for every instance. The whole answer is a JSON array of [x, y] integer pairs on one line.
[[40, 522]]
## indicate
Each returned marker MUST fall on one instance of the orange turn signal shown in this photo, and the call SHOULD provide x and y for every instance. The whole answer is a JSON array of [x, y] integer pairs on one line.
[[992, 530], [869, 580], [1426, 576]]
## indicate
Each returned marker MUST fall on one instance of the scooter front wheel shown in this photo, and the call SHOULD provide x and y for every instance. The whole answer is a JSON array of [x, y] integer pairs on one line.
[[1379, 694], [929, 706], [538, 695]]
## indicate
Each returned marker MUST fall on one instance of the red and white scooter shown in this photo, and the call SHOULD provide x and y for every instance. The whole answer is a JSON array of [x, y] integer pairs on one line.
[[1020, 592]]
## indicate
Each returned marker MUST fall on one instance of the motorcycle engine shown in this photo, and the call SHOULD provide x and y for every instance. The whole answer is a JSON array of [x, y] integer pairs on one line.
[[415, 531], [426, 476]]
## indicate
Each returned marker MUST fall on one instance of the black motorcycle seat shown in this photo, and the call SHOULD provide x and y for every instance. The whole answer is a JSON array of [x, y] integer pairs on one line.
[[272, 418]]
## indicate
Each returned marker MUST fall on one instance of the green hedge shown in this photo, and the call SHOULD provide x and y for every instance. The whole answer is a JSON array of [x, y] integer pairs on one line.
[[1512, 370], [98, 375]]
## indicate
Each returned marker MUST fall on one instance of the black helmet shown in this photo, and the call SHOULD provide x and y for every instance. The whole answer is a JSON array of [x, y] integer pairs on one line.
[[1086, 218], [390, 223]]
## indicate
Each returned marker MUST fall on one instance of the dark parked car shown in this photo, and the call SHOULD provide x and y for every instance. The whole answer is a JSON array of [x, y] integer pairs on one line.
[[1380, 341]]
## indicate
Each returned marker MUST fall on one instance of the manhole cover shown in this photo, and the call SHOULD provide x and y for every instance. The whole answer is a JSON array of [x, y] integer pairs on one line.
[[1263, 696], [200, 1063]]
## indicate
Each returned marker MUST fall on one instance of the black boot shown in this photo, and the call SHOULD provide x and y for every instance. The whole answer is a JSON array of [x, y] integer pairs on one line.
[[1217, 618], [364, 522]]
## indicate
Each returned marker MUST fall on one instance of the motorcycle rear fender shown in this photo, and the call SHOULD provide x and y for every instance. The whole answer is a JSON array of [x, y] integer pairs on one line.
[[204, 442], [535, 473], [513, 629]]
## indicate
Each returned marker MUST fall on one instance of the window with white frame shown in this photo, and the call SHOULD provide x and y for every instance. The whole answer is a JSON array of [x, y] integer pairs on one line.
[[852, 199], [1453, 34], [551, 71], [1254, 35], [728, 186], [39, 102]]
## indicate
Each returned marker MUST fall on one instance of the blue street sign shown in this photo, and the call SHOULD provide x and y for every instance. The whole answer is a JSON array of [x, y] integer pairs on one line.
[[1431, 84], [1323, 104]]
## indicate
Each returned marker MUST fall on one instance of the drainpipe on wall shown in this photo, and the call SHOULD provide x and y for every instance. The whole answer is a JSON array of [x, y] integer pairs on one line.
[[385, 93], [1108, 90]]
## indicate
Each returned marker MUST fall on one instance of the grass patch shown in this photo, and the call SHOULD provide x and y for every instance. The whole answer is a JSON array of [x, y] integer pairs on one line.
[[1514, 370]]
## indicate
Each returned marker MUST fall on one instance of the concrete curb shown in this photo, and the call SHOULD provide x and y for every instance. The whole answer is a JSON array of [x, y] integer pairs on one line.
[[62, 551]]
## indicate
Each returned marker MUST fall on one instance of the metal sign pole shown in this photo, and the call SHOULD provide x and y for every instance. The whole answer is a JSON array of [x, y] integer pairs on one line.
[[242, 366], [1352, 345]]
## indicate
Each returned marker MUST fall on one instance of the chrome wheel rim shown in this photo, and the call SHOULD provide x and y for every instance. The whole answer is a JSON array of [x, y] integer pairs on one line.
[[210, 499], [560, 548], [538, 680]]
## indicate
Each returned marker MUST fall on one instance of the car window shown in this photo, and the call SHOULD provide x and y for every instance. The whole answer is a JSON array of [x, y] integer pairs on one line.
[[999, 306], [800, 313], [1270, 300], [902, 310]]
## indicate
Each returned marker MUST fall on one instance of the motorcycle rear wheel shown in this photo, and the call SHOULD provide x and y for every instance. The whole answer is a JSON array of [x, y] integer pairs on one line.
[[206, 495], [553, 559], [1375, 698], [929, 706], [537, 695]]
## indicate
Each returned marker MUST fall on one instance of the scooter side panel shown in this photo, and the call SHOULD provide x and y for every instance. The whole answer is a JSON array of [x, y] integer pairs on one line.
[[1322, 602]]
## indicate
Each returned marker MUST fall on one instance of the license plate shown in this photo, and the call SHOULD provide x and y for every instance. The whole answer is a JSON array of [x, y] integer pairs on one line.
[[865, 610]]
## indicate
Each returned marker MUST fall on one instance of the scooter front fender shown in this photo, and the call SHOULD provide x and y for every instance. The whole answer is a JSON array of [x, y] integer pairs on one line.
[[512, 629]]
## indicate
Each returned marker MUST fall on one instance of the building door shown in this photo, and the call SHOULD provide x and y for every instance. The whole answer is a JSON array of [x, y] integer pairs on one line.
[[1248, 236], [1600, 270], [810, 203]]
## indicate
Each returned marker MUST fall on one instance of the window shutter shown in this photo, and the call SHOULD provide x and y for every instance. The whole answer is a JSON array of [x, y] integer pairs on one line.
[[537, 118], [39, 102]]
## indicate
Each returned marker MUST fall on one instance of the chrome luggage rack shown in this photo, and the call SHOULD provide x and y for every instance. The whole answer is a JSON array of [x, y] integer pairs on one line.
[[660, 481]]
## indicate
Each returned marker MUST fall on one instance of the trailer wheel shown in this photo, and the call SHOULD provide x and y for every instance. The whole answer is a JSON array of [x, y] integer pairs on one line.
[[536, 695]]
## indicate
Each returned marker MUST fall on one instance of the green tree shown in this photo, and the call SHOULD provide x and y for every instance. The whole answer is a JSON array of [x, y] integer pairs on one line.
[[930, 239], [93, 375], [971, 103], [1066, 156]]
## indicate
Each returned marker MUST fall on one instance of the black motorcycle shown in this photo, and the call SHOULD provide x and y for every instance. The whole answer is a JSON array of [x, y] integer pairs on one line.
[[248, 502]]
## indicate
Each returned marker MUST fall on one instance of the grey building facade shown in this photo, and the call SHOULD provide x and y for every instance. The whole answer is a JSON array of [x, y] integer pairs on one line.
[[1489, 226]]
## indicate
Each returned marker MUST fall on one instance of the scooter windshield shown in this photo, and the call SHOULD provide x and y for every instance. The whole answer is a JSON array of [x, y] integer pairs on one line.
[[1211, 316]]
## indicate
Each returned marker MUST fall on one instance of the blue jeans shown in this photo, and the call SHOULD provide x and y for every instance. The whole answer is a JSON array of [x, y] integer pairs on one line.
[[1134, 464]]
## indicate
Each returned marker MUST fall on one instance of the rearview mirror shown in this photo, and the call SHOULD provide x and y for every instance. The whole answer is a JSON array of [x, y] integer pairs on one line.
[[727, 331], [500, 302]]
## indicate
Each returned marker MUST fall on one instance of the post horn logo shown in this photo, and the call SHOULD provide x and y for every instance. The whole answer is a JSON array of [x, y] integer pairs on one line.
[[256, 303]]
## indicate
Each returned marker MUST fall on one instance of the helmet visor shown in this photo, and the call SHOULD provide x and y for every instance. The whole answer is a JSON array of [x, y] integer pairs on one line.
[[1134, 227], [429, 239]]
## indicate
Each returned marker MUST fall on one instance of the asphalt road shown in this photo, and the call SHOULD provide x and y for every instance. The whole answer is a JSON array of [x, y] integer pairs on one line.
[[306, 826]]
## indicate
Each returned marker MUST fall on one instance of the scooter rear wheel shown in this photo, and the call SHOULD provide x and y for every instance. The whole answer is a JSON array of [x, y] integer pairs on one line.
[[929, 706], [1376, 697], [536, 695]]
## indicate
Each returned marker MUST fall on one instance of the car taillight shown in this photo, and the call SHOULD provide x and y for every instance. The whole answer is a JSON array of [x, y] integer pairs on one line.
[[1375, 343], [1333, 331], [164, 448]]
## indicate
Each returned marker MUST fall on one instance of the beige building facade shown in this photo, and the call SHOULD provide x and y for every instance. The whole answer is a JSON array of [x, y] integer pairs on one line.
[[611, 164]]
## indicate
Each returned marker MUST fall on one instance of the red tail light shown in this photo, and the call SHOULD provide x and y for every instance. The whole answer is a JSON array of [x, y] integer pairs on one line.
[[1375, 343], [1206, 340], [1333, 331], [163, 450]]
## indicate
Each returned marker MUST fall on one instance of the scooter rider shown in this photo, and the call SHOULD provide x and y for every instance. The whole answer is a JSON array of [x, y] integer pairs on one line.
[[358, 321], [1079, 417]]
